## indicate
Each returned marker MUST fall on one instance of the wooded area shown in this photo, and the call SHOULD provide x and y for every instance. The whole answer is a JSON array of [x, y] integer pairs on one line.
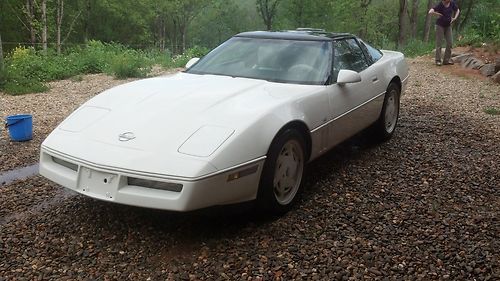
[[178, 24], [45, 40]]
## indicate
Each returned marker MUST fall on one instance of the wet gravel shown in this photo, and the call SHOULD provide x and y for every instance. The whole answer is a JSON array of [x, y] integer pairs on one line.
[[423, 206]]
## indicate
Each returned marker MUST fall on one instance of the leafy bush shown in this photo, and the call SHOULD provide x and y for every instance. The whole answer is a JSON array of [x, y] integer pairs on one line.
[[26, 70], [130, 64], [96, 57], [21, 85], [22, 72], [417, 48], [194, 52], [197, 52], [483, 27], [161, 58]]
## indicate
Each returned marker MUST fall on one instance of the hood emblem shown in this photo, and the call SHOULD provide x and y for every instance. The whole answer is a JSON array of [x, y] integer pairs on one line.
[[126, 136]]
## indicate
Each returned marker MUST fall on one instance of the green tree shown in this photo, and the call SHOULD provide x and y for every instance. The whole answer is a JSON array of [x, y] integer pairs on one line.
[[267, 10]]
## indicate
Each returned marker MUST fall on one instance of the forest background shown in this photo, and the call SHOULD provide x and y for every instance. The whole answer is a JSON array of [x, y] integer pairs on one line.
[[44, 40]]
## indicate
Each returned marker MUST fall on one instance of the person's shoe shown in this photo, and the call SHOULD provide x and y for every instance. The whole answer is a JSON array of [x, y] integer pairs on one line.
[[450, 62], [438, 63]]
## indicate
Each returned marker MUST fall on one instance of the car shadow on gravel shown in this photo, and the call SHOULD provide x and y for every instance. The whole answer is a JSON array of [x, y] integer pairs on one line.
[[219, 222], [425, 202]]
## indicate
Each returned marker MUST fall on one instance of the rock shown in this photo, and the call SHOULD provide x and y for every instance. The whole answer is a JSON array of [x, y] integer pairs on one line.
[[497, 64], [460, 57], [487, 69], [496, 77], [472, 63]]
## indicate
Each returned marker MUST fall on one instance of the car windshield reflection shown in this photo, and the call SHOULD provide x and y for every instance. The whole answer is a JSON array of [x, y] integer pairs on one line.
[[276, 60]]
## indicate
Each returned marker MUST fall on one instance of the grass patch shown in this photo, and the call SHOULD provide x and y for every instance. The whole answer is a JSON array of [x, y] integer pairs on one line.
[[130, 64], [24, 86], [77, 78], [492, 111], [415, 48]]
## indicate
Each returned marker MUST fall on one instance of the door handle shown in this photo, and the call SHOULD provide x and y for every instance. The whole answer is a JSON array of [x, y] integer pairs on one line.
[[374, 79]]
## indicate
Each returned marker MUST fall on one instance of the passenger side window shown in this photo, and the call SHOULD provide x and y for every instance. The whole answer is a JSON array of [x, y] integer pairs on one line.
[[347, 55], [373, 53]]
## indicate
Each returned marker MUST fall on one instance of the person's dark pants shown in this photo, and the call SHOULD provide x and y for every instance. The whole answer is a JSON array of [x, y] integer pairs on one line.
[[443, 32]]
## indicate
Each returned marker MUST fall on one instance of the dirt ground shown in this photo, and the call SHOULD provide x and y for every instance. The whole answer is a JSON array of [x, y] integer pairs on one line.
[[487, 55]]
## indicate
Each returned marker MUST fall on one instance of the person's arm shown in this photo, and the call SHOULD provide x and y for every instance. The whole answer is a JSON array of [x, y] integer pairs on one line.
[[433, 12], [457, 13]]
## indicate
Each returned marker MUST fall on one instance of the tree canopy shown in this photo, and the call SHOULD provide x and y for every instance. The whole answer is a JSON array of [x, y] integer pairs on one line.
[[178, 24]]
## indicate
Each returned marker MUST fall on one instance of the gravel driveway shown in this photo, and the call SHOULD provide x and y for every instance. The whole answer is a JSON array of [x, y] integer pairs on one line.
[[424, 206]]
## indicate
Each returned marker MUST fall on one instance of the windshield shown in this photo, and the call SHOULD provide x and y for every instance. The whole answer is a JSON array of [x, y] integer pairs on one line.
[[276, 60]]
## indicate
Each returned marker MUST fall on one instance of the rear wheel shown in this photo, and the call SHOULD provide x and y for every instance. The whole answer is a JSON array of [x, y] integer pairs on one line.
[[282, 175], [384, 127]]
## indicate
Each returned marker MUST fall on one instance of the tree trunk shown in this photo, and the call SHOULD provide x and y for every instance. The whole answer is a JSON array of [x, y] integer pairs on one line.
[[87, 21], [403, 8], [183, 34], [428, 19], [267, 9], [44, 25], [463, 19], [59, 19], [364, 7], [175, 40], [1, 54], [414, 19], [300, 14], [163, 33], [30, 15]]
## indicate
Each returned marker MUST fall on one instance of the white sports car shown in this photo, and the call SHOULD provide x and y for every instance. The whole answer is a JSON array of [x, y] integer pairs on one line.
[[237, 125]]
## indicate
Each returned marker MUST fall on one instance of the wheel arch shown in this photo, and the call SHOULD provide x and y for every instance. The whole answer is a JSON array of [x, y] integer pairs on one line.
[[302, 128], [396, 80]]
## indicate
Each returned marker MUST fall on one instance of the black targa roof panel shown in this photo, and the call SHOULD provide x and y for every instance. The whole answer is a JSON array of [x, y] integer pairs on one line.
[[295, 35]]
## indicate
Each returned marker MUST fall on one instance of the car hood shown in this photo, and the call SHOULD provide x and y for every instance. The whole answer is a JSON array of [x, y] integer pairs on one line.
[[181, 118]]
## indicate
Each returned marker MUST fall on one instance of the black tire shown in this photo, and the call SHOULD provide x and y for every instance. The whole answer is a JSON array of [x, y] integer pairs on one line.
[[383, 129], [282, 174]]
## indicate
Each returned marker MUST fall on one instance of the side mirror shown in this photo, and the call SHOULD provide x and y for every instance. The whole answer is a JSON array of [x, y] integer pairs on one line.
[[348, 76], [191, 62]]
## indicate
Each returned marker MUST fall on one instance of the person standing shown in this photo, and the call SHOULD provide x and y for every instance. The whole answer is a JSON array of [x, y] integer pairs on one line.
[[447, 12]]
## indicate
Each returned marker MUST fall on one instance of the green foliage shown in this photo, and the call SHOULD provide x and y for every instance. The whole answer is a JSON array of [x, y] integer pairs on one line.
[[23, 72], [484, 25], [21, 85], [27, 70], [95, 57], [492, 111], [417, 48], [130, 64], [195, 52]]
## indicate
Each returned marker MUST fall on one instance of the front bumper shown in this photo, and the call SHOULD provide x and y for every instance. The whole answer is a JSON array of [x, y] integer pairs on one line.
[[233, 185]]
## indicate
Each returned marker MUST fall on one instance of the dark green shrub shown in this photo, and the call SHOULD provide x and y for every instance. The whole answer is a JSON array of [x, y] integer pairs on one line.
[[130, 64], [162, 58], [194, 52], [417, 48], [96, 57], [22, 86]]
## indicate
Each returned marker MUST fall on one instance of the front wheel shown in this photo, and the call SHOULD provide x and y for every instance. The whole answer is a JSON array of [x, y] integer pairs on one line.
[[384, 127], [282, 175]]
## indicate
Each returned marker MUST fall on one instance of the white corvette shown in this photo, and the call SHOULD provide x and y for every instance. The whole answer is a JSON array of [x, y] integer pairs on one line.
[[237, 125]]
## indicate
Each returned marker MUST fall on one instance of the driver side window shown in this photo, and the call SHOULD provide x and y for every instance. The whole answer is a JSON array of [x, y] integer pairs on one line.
[[347, 55]]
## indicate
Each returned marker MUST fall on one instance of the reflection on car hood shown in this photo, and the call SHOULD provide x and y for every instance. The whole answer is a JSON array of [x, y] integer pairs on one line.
[[157, 116], [175, 107]]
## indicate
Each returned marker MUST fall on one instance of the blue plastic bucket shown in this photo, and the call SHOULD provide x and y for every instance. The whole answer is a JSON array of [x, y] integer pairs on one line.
[[20, 127]]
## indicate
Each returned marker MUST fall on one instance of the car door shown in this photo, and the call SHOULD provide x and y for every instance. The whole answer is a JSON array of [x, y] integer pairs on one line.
[[353, 106]]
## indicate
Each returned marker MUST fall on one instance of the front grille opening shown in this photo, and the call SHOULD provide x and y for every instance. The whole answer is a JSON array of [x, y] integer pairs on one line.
[[66, 164], [174, 187]]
